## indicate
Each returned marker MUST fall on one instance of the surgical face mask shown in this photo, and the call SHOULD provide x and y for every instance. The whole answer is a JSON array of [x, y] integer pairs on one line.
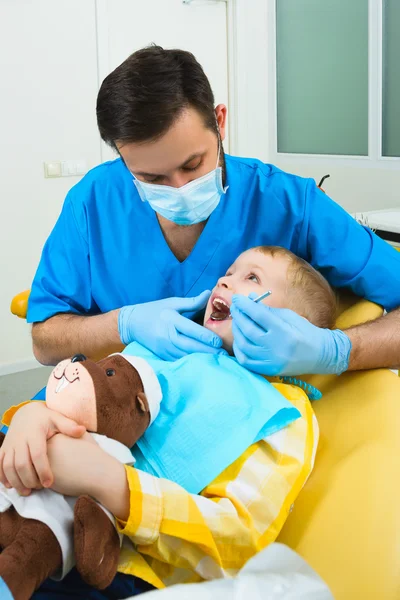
[[189, 204]]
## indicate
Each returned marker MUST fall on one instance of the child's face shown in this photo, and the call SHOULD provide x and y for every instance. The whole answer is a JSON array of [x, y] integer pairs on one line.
[[251, 272]]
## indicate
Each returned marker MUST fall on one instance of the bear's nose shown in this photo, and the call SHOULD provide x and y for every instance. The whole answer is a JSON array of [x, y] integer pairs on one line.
[[78, 358]]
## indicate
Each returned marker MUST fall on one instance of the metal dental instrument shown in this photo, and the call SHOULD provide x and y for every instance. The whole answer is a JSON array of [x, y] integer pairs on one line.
[[259, 298], [227, 316]]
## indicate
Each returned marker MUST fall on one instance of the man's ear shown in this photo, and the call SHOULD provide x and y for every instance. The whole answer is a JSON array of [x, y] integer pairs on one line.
[[221, 116], [142, 403]]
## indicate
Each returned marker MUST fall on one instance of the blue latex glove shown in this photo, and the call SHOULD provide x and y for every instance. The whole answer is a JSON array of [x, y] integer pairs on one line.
[[161, 327], [277, 341]]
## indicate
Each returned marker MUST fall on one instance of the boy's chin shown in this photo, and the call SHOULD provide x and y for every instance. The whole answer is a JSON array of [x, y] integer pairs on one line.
[[226, 337]]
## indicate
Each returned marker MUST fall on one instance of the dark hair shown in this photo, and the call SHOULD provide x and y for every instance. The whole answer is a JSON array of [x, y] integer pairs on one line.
[[143, 97], [308, 292]]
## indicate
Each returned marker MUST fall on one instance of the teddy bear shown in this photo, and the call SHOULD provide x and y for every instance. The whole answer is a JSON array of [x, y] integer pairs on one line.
[[116, 399]]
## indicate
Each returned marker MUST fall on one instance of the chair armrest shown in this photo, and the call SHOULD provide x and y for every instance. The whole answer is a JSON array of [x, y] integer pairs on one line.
[[19, 304], [346, 521]]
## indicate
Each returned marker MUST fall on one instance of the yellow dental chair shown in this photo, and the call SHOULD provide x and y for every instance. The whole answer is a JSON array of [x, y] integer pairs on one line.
[[19, 304], [346, 521]]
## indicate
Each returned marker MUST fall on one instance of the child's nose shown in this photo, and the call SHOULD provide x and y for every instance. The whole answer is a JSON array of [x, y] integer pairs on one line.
[[225, 283]]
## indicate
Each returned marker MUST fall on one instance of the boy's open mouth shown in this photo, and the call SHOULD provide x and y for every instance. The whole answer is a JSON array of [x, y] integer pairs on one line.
[[221, 310]]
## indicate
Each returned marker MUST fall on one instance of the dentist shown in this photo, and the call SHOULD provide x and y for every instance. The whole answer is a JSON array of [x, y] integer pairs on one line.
[[141, 238]]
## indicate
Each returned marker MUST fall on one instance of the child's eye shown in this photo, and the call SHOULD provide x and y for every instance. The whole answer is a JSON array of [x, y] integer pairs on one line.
[[253, 277]]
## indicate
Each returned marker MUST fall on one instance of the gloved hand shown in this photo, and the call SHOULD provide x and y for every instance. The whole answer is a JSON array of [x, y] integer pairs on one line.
[[162, 327], [277, 341]]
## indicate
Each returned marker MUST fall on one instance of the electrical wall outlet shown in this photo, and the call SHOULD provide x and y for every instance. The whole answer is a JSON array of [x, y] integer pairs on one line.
[[52, 169], [65, 168]]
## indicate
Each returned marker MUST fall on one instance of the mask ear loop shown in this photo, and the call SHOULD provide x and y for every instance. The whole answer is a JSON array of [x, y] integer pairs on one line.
[[219, 156], [219, 142], [219, 153]]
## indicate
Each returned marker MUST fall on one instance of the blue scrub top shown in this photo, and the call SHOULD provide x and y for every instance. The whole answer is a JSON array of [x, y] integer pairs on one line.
[[107, 249]]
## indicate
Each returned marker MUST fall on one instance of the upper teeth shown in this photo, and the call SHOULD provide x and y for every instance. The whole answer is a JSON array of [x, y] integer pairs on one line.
[[220, 301], [62, 384]]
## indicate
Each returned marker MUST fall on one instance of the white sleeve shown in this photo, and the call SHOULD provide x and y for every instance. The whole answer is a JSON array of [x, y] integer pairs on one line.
[[114, 448]]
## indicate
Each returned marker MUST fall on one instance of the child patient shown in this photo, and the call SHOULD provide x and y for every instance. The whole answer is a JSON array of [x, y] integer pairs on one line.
[[228, 408], [182, 531], [294, 284]]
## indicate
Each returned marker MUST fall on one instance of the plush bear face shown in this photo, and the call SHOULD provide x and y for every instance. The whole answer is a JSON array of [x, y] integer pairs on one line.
[[107, 397]]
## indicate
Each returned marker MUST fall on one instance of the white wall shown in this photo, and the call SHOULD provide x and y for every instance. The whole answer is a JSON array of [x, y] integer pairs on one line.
[[52, 55], [356, 189], [48, 87]]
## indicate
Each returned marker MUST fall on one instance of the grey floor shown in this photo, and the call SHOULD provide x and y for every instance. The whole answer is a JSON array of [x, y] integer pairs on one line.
[[19, 387]]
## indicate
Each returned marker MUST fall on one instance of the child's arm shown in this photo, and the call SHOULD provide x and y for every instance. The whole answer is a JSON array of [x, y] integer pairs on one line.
[[23, 456], [83, 467], [235, 516]]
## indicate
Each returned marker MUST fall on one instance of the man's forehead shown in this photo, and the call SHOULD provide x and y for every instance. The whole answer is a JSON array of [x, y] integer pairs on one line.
[[151, 156], [167, 165], [188, 136]]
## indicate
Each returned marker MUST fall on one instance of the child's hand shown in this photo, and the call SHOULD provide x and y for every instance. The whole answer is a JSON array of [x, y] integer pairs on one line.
[[24, 464]]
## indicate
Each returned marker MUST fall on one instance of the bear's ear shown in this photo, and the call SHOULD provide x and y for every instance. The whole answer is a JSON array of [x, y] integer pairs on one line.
[[142, 403]]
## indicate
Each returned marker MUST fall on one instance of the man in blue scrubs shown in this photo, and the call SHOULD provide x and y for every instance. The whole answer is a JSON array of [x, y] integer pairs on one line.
[[141, 239]]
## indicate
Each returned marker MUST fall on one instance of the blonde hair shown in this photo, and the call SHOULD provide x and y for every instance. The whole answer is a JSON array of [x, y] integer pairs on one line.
[[308, 293]]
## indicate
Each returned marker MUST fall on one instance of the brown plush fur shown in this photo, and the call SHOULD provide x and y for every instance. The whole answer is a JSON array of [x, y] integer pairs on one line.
[[28, 546], [31, 555], [117, 408], [96, 547]]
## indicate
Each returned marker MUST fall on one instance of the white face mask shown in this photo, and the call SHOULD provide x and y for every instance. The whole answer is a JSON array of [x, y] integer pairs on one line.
[[186, 205]]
